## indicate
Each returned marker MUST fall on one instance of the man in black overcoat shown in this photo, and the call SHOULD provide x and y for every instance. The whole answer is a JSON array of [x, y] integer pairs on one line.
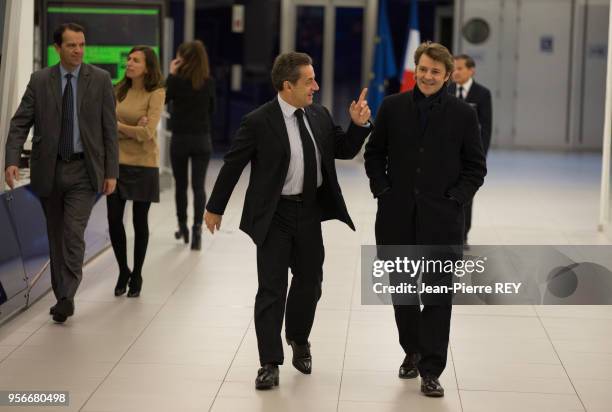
[[425, 161]]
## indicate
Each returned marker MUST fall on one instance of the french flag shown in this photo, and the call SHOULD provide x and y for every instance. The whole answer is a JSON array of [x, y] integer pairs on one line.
[[414, 40]]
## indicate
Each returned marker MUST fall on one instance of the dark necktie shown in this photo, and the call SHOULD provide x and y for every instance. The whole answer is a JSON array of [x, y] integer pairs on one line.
[[67, 132], [461, 93], [310, 160]]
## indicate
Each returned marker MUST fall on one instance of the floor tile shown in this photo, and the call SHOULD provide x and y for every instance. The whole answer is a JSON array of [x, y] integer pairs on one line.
[[189, 343]]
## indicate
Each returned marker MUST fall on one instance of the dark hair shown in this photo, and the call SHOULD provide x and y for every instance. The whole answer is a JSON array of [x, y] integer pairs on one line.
[[287, 67], [195, 63], [469, 61], [436, 52], [58, 34], [153, 78]]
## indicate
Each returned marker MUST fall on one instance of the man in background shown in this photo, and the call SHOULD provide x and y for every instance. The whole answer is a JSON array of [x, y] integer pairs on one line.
[[479, 97], [74, 154]]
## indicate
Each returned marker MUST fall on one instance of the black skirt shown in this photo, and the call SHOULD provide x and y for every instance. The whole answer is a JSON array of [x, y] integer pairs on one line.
[[138, 183]]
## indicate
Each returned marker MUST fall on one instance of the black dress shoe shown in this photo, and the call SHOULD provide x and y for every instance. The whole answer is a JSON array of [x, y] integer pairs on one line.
[[267, 377], [135, 286], [122, 282], [52, 310], [62, 310], [408, 369], [64, 305], [59, 318], [430, 386], [302, 359]]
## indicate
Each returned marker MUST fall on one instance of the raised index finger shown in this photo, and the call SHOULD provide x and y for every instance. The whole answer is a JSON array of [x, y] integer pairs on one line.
[[363, 94]]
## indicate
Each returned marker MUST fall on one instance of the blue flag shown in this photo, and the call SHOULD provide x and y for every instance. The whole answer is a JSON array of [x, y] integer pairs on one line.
[[383, 66]]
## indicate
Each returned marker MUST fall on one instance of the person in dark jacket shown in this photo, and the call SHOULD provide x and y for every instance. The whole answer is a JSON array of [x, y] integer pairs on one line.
[[191, 94], [479, 97], [291, 145], [424, 161]]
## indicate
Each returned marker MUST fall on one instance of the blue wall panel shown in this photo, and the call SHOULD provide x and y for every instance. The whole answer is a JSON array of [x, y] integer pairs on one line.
[[24, 249]]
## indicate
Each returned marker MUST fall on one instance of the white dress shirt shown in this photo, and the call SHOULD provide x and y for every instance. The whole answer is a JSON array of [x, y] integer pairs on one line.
[[466, 88], [294, 182]]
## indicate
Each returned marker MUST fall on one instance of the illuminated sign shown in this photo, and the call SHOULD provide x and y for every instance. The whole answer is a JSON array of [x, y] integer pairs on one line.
[[110, 31]]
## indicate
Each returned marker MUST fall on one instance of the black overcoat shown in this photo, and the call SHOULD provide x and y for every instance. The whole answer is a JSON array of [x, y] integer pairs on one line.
[[422, 179]]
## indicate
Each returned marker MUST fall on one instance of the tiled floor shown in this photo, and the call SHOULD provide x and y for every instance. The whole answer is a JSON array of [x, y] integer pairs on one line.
[[188, 342]]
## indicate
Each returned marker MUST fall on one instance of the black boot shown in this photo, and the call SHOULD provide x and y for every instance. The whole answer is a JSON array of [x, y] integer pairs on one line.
[[135, 285], [182, 232], [124, 277], [196, 237]]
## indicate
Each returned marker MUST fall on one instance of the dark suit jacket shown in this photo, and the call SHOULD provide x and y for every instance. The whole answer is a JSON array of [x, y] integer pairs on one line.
[[41, 107], [263, 141], [480, 97], [416, 176]]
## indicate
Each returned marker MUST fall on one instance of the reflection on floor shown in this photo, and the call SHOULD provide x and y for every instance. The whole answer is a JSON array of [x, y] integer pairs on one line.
[[188, 342]]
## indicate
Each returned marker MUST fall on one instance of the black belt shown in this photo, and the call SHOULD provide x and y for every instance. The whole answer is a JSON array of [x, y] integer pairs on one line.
[[74, 156], [293, 198]]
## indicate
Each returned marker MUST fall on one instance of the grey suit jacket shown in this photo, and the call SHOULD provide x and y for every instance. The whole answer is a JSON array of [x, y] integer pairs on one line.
[[41, 107]]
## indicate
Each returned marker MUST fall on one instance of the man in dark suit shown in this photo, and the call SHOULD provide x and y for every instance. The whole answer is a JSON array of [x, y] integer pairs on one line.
[[291, 144], [479, 97], [424, 161], [74, 154]]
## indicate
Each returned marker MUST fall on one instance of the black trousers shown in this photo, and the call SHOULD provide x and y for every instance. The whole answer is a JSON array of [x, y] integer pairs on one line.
[[140, 212], [67, 210], [184, 147], [294, 242], [467, 211], [426, 330]]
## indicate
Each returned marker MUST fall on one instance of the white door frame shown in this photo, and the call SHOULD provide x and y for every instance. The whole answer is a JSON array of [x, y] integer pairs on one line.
[[17, 62]]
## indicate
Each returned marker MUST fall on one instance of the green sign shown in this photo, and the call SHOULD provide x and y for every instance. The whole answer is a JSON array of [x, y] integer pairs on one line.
[[111, 58], [110, 32], [90, 10]]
